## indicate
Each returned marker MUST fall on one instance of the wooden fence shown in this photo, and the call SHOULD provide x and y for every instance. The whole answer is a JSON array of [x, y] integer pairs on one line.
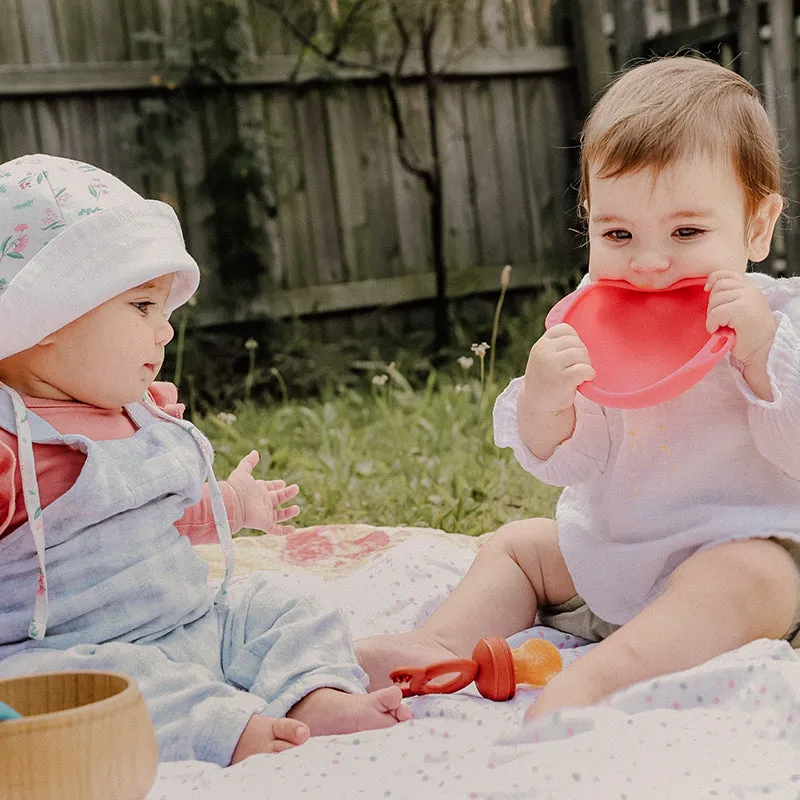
[[352, 226]]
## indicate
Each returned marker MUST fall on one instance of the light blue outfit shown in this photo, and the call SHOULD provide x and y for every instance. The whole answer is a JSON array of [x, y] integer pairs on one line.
[[126, 592]]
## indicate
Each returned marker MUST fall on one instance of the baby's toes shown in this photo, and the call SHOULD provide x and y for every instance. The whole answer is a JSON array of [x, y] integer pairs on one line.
[[290, 732]]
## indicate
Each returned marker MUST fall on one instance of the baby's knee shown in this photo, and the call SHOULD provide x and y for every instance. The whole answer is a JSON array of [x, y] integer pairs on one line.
[[524, 533]]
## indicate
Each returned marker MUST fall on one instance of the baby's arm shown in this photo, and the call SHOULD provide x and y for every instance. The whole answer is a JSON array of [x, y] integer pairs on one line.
[[8, 490], [249, 503], [259, 503], [716, 601], [556, 434], [767, 354], [197, 522]]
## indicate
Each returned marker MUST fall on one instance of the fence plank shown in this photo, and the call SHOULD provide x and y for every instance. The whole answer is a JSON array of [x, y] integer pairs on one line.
[[410, 196], [314, 144], [512, 179], [12, 49], [784, 57], [346, 165], [594, 64], [749, 61], [271, 70], [630, 30], [532, 144], [485, 180], [18, 131], [104, 31], [292, 192], [377, 173], [377, 292], [460, 227], [39, 36]]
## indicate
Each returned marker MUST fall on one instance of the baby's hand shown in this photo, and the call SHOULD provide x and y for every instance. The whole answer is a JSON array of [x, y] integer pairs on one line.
[[558, 363], [736, 301], [258, 502]]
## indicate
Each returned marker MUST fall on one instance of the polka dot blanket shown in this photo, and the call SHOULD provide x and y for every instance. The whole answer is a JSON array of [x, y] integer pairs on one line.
[[727, 729]]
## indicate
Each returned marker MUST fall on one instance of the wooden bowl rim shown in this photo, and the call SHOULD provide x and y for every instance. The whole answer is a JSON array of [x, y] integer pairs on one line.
[[97, 708]]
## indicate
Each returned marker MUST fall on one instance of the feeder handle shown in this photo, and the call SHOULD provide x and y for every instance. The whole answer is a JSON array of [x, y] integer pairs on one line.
[[417, 680]]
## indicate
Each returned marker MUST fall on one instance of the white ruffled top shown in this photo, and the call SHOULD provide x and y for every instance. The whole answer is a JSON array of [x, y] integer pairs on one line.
[[646, 488]]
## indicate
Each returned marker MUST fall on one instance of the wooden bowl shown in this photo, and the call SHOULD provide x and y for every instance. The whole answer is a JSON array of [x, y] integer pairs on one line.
[[83, 735]]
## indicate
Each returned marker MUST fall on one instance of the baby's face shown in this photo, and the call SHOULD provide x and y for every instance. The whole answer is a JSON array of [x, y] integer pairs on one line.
[[109, 356], [688, 221]]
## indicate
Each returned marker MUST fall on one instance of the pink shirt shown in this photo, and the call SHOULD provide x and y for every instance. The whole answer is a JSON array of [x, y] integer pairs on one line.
[[58, 466]]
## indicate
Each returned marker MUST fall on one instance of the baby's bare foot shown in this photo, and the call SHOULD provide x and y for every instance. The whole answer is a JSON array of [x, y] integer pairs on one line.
[[328, 711], [379, 655], [269, 735]]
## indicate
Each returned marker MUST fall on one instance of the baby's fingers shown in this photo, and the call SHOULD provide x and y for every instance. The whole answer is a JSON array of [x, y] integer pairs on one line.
[[290, 730], [576, 374], [249, 462], [281, 494], [282, 514]]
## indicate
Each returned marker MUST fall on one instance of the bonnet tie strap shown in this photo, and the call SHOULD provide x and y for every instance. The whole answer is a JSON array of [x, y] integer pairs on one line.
[[33, 507], [217, 502]]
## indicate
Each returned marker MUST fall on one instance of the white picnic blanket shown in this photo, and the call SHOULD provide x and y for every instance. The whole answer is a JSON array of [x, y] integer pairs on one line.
[[727, 729]]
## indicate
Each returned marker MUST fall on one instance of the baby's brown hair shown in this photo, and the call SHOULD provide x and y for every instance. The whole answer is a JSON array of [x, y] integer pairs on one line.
[[671, 108]]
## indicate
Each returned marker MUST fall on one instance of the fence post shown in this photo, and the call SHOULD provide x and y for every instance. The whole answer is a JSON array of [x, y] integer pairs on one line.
[[590, 48], [784, 57], [630, 30], [678, 14], [749, 45]]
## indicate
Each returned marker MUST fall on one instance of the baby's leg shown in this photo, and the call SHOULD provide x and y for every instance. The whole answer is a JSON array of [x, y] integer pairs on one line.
[[269, 735], [518, 570], [298, 655], [328, 711], [715, 601], [194, 713]]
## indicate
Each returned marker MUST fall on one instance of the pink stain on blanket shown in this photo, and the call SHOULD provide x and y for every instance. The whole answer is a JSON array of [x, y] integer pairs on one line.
[[324, 542]]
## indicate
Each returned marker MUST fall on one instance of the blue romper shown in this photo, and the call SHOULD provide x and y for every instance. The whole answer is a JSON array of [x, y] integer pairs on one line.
[[126, 592]]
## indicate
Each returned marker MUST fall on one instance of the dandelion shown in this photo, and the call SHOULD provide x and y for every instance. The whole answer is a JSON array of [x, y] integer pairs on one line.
[[155, 80], [480, 351], [379, 380], [465, 362], [226, 418], [505, 280], [251, 345]]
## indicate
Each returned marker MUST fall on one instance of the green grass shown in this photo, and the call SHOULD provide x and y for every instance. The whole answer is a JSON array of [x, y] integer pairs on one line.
[[387, 455]]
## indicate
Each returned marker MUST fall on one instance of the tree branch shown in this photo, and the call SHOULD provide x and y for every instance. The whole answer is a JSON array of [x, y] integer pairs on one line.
[[389, 79], [305, 40], [344, 29]]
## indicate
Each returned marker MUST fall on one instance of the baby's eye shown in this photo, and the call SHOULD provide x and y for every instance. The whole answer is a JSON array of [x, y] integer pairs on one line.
[[688, 233], [618, 235], [144, 306]]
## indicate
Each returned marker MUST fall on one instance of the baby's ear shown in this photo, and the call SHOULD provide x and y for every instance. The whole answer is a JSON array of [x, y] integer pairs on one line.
[[761, 227]]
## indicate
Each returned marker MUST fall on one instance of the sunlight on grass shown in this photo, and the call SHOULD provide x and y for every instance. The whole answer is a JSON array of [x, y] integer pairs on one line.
[[387, 456]]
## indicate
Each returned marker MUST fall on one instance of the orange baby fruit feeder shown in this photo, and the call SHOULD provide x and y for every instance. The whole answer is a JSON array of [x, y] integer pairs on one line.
[[494, 666]]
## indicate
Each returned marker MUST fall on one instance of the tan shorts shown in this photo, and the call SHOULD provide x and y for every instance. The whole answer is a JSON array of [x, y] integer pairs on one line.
[[577, 618]]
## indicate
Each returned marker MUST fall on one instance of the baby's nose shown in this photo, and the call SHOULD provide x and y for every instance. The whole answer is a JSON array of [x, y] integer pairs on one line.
[[646, 263], [164, 334]]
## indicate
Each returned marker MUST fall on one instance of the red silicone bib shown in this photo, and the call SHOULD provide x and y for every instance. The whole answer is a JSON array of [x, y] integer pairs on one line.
[[646, 346]]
